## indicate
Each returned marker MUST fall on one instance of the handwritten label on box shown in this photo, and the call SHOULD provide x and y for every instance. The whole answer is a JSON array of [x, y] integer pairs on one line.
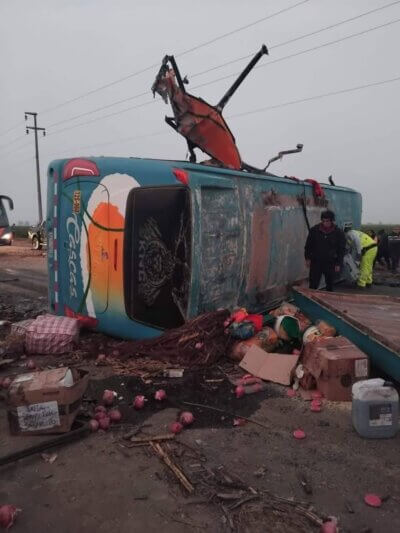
[[38, 416]]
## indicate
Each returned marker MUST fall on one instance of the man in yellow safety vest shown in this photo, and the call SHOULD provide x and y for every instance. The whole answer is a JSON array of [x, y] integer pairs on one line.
[[364, 248]]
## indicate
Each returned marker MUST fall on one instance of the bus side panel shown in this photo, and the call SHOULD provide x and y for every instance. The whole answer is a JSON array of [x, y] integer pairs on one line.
[[277, 229], [249, 234]]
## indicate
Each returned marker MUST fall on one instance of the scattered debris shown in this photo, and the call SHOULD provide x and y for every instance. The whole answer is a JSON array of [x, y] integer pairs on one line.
[[173, 372], [80, 430], [228, 413], [49, 457], [152, 438], [239, 422], [305, 483], [172, 466]]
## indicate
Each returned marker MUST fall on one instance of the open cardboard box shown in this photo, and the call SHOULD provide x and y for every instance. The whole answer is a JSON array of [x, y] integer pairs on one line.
[[45, 402], [276, 367]]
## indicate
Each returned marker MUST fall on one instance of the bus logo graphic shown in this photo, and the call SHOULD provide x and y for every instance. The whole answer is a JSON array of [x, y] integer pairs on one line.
[[74, 236], [76, 203]]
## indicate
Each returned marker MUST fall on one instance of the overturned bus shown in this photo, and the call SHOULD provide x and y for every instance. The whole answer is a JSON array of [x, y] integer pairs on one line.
[[136, 246]]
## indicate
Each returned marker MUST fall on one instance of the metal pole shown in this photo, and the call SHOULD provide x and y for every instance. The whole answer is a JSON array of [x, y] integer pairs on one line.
[[224, 100], [39, 189]]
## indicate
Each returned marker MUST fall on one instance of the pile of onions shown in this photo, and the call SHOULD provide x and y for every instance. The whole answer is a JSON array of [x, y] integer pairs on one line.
[[99, 415]]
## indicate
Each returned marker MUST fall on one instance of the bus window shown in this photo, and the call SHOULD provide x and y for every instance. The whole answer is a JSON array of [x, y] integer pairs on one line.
[[157, 255]]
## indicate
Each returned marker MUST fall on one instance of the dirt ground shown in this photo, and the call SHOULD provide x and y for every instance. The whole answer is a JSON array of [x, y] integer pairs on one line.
[[99, 483]]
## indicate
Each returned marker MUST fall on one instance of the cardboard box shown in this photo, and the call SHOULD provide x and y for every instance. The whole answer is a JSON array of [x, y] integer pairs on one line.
[[276, 367], [45, 402], [336, 363]]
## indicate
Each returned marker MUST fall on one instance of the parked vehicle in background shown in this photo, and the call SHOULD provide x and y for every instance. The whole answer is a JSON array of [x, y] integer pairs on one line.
[[38, 237], [6, 234]]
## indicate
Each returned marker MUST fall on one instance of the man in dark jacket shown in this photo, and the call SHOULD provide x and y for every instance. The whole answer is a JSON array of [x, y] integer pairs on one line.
[[324, 251]]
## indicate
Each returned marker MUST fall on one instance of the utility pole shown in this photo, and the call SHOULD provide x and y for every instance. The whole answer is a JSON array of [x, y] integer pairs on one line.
[[36, 129]]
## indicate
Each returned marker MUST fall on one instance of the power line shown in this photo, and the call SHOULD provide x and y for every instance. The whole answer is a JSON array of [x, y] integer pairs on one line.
[[150, 67], [211, 41], [316, 97], [103, 117], [6, 145], [304, 36], [100, 108], [107, 143], [263, 109], [325, 28], [241, 58], [16, 149], [12, 128], [302, 52]]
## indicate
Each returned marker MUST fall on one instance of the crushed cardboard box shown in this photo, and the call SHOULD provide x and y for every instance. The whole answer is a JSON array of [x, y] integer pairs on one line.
[[276, 367], [45, 402]]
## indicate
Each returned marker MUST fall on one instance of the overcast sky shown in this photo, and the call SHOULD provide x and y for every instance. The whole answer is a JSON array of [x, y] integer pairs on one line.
[[52, 51]]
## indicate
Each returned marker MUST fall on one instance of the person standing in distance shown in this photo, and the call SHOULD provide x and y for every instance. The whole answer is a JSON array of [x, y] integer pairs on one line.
[[324, 251]]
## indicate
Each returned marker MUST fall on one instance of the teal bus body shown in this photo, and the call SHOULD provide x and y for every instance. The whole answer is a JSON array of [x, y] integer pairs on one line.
[[138, 245]]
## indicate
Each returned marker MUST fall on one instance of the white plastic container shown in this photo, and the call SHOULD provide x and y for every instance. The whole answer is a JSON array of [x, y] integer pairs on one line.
[[375, 409]]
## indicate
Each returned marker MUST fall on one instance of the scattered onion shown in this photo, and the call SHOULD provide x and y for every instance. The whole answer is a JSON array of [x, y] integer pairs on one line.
[[108, 397], [31, 364], [100, 409], [160, 395], [138, 402], [239, 391], [7, 515], [100, 415], [329, 527], [176, 427], [115, 415], [104, 423], [186, 418], [94, 425], [6, 383]]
